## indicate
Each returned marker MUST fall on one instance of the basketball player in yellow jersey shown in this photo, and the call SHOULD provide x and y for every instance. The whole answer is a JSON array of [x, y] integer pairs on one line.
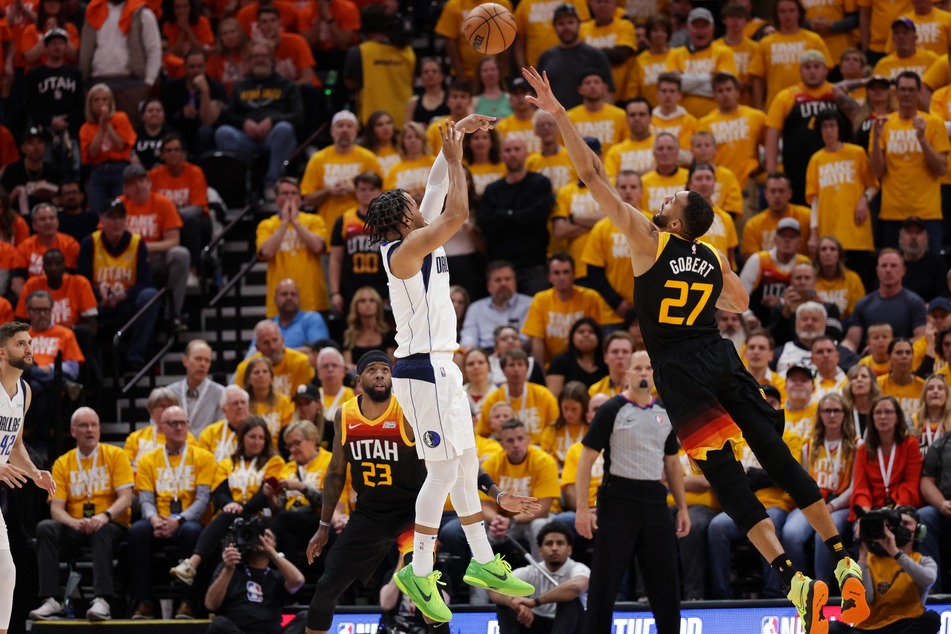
[[712, 400]]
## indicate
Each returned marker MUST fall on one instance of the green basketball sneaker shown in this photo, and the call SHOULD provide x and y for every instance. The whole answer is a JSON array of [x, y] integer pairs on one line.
[[809, 597], [424, 592], [497, 575]]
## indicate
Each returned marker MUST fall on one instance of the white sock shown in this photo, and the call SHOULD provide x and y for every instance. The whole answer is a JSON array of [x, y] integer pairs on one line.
[[478, 542], [424, 548]]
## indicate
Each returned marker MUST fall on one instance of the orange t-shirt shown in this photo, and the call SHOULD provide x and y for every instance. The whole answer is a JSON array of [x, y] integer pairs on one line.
[[345, 14], [6, 311], [293, 56], [31, 37], [71, 300], [122, 126], [228, 68], [248, 18], [48, 343], [31, 251], [17, 24], [186, 189], [10, 256], [202, 31], [153, 218], [8, 149], [21, 230], [173, 65]]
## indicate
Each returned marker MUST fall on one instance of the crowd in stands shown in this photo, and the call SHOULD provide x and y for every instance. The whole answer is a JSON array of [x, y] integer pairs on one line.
[[819, 134]]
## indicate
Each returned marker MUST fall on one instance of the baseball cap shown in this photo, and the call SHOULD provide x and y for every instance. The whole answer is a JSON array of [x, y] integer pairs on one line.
[[913, 220], [34, 131], [879, 79], [520, 84], [593, 143], [939, 303], [799, 367], [134, 171], [54, 33], [771, 391], [114, 208], [789, 223], [812, 56], [700, 14], [905, 22], [344, 115], [564, 9], [308, 391]]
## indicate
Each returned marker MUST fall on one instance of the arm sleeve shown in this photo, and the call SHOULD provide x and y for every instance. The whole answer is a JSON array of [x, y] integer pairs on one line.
[[437, 187], [924, 572], [671, 445], [147, 504], [200, 505], [152, 43]]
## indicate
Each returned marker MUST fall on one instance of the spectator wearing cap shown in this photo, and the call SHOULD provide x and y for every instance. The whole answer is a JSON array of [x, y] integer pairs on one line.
[[786, 121], [766, 273], [46, 236], [116, 263], [925, 272], [465, 59], [155, 218], [776, 67], [122, 48], [380, 70], [198, 395], [32, 179], [253, 124], [909, 153], [328, 184], [800, 406], [194, 103], [536, 24], [930, 350], [617, 39], [513, 215], [307, 407], [521, 122], [595, 117], [907, 55], [570, 60], [933, 25], [699, 61], [759, 231], [106, 140], [667, 178], [891, 304]]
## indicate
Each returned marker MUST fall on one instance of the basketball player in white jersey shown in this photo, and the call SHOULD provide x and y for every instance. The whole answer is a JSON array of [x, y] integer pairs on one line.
[[426, 382], [16, 356]]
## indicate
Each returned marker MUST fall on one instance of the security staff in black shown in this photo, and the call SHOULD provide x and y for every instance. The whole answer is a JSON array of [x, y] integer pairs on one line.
[[709, 396], [639, 447]]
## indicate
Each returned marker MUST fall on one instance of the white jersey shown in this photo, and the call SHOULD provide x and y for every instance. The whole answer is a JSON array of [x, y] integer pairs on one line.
[[11, 419], [425, 317]]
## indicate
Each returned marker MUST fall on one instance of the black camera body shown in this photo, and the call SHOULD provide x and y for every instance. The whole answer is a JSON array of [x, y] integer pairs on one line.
[[245, 534], [872, 524]]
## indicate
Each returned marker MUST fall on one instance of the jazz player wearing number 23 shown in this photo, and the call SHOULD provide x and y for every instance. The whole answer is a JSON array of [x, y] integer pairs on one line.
[[711, 399], [16, 356]]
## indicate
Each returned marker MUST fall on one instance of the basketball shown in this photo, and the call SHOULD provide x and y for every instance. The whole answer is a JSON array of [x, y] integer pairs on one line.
[[489, 28]]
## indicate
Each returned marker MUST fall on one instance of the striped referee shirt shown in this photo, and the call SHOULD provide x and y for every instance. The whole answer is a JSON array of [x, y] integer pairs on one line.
[[634, 439]]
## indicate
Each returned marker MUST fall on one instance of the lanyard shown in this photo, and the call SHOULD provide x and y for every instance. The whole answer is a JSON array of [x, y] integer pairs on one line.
[[523, 401], [226, 444], [886, 473], [176, 474], [246, 472], [834, 475], [202, 388], [927, 435], [330, 411], [87, 476]]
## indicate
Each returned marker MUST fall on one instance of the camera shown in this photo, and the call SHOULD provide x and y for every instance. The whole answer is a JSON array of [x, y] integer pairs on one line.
[[245, 534], [872, 524]]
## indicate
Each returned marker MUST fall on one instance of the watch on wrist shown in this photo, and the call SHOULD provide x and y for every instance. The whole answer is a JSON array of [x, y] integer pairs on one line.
[[107, 514]]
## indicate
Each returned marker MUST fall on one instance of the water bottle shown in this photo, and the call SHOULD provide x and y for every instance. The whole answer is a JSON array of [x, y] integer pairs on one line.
[[68, 608]]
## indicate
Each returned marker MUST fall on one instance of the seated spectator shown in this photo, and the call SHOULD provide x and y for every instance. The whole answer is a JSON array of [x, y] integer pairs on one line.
[[412, 170], [878, 483], [900, 382], [367, 327], [829, 452], [879, 339], [291, 242], [571, 424], [800, 405], [291, 368], [116, 263], [535, 407], [187, 29], [307, 407], [147, 439], [801, 289], [155, 218], [252, 124], [149, 135], [503, 306], [936, 515], [482, 156], [198, 395], [757, 355], [835, 283], [618, 348], [32, 179], [507, 338], [330, 30], [667, 177], [220, 438], [582, 361], [194, 103], [489, 96], [704, 178], [932, 418], [810, 324], [174, 484], [293, 59], [298, 327], [276, 409], [766, 274], [431, 103], [732, 326], [460, 299], [379, 136], [228, 61], [75, 218], [475, 370], [929, 353], [671, 117], [859, 391], [9, 153], [830, 378], [90, 507], [106, 140], [46, 236], [925, 272], [570, 496]]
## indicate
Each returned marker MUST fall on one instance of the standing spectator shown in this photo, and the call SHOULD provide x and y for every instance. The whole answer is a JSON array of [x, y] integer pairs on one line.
[[537, 31], [669, 116], [766, 274], [194, 103], [571, 60], [431, 102], [292, 242], [521, 122], [46, 236], [503, 307], [73, 301], [106, 141], [328, 182], [616, 38], [198, 395], [874, 25], [513, 215], [594, 116], [75, 218], [698, 61], [32, 179], [582, 362], [187, 29], [667, 178], [906, 55], [909, 153], [759, 232], [925, 271], [933, 25], [330, 28], [636, 153], [900, 382], [735, 18], [465, 59], [652, 61], [220, 438], [299, 328], [490, 98], [331, 372], [121, 47], [290, 368], [228, 63], [254, 123]]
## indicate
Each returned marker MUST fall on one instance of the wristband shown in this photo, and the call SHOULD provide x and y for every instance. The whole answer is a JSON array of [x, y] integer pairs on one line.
[[898, 555], [107, 514], [485, 482], [323, 523], [537, 602]]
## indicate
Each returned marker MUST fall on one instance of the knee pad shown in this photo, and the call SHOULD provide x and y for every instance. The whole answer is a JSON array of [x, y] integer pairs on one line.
[[465, 492], [441, 476]]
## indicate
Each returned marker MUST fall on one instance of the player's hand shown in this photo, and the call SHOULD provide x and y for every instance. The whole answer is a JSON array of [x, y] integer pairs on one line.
[[44, 480], [451, 141], [544, 97], [475, 122], [514, 503], [316, 544], [586, 522], [12, 476]]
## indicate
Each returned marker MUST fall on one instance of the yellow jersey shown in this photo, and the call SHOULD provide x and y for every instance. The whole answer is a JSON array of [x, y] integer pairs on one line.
[[772, 496], [617, 32], [941, 108], [833, 11], [313, 473], [778, 59], [115, 269], [219, 439], [908, 395], [277, 415], [556, 442], [449, 25], [681, 124], [574, 201], [728, 195], [145, 440], [743, 54]]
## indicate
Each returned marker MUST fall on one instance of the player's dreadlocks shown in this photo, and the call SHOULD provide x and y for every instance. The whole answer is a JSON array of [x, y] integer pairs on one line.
[[385, 213]]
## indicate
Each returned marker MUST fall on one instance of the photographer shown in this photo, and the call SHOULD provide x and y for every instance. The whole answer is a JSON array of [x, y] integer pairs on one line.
[[251, 585], [897, 578]]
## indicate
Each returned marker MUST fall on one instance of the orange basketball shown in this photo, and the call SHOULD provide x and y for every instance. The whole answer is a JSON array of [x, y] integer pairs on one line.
[[489, 28]]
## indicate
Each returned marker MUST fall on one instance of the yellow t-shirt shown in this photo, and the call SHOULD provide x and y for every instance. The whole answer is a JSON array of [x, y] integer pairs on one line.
[[933, 30], [145, 440], [608, 248], [569, 474], [630, 154], [908, 187], [704, 498], [608, 125], [575, 201], [534, 23], [606, 386], [649, 66], [891, 65], [727, 195], [387, 73], [617, 32], [550, 318], [557, 167], [743, 54], [219, 439], [843, 292], [295, 261], [682, 125], [801, 420], [313, 474], [908, 396], [484, 174], [838, 180], [738, 136], [167, 484], [941, 108], [772, 496], [536, 475], [449, 25], [657, 187], [714, 59], [524, 129], [246, 478], [938, 74], [329, 166], [722, 233], [833, 11], [760, 230], [884, 12], [536, 407], [78, 482], [879, 368], [277, 416], [556, 442], [409, 175], [293, 371]]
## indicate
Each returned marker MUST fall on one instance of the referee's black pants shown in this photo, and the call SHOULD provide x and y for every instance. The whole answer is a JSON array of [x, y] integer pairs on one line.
[[633, 518]]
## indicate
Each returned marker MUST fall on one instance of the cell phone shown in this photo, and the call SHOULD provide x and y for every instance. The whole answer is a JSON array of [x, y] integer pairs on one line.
[[273, 482]]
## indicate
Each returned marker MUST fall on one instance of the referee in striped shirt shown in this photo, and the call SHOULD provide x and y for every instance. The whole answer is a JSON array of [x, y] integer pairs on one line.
[[639, 448]]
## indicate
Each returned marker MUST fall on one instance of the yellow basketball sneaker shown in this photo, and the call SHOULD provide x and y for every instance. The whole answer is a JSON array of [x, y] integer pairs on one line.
[[854, 603], [810, 596]]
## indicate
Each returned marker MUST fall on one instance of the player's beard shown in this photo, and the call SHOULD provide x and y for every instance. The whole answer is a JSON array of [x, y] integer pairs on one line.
[[379, 397], [20, 363], [660, 220]]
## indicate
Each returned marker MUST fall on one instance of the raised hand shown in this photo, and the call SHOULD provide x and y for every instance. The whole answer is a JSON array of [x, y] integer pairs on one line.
[[475, 122], [451, 141], [544, 97]]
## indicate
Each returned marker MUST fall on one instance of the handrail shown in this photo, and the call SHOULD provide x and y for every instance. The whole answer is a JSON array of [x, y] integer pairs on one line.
[[303, 146], [206, 252], [234, 280], [131, 383], [117, 338], [216, 304]]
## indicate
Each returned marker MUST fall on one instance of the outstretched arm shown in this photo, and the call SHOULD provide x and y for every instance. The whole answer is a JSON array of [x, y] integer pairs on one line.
[[639, 231]]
